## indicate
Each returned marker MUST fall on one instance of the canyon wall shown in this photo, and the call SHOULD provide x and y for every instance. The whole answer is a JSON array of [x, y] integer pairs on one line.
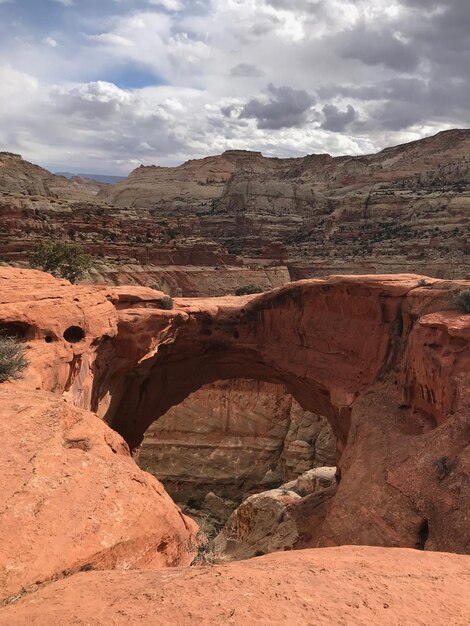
[[234, 437], [214, 224]]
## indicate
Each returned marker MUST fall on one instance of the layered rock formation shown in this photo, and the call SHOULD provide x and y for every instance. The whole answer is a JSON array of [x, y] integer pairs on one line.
[[232, 437], [212, 225], [19, 177], [340, 346], [385, 359], [366, 586], [404, 209]]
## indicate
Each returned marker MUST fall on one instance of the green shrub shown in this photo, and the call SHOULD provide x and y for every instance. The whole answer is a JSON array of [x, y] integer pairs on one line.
[[61, 259], [166, 303], [462, 300], [12, 359], [248, 289]]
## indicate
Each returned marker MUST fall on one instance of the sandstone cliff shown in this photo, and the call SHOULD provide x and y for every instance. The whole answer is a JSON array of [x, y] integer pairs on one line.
[[214, 224], [234, 437]]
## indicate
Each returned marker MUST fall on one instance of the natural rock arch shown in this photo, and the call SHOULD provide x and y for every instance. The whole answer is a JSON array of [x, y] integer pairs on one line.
[[366, 352], [325, 342], [385, 358]]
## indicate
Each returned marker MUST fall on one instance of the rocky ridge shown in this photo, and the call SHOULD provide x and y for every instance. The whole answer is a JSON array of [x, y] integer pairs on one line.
[[213, 224]]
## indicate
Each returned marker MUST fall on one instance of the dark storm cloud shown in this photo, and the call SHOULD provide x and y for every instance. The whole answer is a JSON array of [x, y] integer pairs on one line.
[[336, 120], [375, 47], [286, 107]]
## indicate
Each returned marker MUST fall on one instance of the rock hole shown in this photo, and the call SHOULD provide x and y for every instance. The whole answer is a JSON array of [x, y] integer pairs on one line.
[[14, 330], [48, 339], [162, 546], [423, 535], [74, 334]]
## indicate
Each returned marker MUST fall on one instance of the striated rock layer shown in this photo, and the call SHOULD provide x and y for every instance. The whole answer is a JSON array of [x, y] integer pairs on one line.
[[214, 224], [232, 437], [366, 586]]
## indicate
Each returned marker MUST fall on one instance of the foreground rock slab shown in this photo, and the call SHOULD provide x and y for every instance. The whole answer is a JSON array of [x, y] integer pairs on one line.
[[72, 498], [330, 586]]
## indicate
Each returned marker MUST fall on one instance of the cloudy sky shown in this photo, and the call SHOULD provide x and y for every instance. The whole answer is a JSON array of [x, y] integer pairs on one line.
[[102, 86]]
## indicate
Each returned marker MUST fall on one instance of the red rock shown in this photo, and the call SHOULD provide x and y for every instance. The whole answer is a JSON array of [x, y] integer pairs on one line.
[[71, 496], [348, 348], [366, 586]]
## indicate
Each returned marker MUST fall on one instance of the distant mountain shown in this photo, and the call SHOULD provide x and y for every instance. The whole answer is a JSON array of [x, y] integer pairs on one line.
[[100, 178]]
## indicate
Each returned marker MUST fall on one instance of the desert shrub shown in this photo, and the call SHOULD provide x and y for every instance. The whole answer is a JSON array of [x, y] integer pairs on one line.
[[204, 543], [12, 359], [422, 282], [61, 259], [443, 466], [166, 303], [462, 300], [248, 289]]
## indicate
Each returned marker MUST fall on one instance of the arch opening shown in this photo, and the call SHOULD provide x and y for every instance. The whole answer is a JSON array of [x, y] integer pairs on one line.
[[238, 439]]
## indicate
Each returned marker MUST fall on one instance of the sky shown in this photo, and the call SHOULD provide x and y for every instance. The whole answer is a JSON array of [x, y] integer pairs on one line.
[[103, 86]]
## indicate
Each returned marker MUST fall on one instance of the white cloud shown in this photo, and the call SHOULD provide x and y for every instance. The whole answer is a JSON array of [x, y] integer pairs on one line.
[[50, 41], [285, 77], [170, 5]]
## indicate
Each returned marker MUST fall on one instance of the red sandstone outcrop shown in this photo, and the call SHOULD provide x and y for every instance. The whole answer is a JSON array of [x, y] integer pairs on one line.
[[384, 358], [340, 347], [233, 437], [366, 586], [72, 498]]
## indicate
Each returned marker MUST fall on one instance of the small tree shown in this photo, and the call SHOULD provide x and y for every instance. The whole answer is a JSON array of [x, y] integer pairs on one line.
[[166, 303], [248, 289], [462, 300], [63, 260], [12, 359]]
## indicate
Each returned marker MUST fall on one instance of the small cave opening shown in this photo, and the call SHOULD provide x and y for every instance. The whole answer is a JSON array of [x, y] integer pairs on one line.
[[74, 334], [237, 444], [423, 535], [15, 330]]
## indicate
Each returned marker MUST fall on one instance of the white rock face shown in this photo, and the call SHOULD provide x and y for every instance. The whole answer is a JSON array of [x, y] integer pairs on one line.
[[272, 520], [234, 438]]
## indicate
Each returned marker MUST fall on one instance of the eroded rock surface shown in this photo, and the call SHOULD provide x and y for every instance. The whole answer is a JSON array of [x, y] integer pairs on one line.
[[72, 498], [327, 587], [275, 520], [384, 358]]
